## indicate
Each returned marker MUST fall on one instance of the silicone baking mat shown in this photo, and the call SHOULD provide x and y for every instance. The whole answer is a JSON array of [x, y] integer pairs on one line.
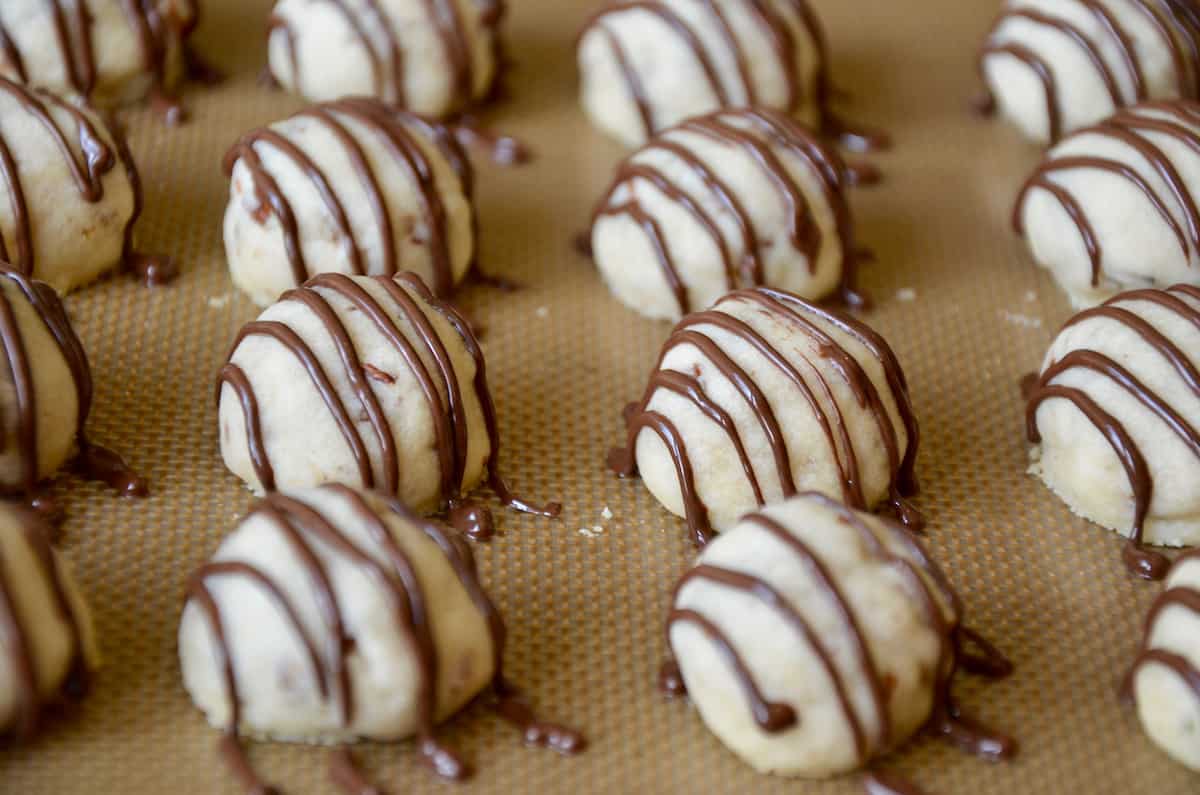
[[955, 293]]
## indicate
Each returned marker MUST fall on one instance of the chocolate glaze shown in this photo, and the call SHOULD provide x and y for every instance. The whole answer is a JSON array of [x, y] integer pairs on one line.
[[92, 461], [441, 386], [389, 67], [784, 45], [1133, 127], [402, 133], [760, 134], [1145, 563], [301, 525], [97, 158], [809, 321], [937, 597], [1176, 21], [20, 655], [155, 33]]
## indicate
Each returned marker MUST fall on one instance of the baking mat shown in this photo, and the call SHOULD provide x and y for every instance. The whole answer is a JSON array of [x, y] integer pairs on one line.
[[956, 295]]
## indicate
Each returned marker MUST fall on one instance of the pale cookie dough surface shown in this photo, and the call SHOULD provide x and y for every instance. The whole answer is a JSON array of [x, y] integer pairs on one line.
[[348, 177], [303, 437], [1166, 676], [279, 690], [117, 33], [1114, 207], [648, 67], [1078, 461], [832, 677], [72, 227], [430, 58], [51, 641], [55, 397], [703, 206], [826, 436], [1055, 66]]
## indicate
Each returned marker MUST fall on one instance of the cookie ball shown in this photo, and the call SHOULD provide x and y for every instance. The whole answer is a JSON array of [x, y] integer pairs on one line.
[[735, 199], [47, 643], [1114, 206], [362, 380], [813, 639], [1113, 415], [1054, 66], [330, 615], [1165, 678], [435, 59], [46, 395], [110, 51], [766, 395], [648, 66], [350, 186], [72, 190]]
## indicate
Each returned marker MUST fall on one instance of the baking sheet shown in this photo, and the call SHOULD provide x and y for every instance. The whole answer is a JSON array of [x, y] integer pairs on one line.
[[585, 613]]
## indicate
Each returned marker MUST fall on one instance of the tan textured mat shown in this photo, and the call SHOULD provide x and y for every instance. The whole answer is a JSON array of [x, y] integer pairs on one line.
[[586, 613]]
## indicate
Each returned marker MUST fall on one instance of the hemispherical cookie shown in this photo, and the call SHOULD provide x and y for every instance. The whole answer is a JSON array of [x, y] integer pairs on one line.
[[433, 58], [1164, 681], [647, 66], [46, 393], [47, 643], [1114, 206], [362, 380], [766, 395], [109, 51], [73, 193], [1114, 414], [1054, 66], [350, 186], [331, 615], [735, 199], [813, 639]]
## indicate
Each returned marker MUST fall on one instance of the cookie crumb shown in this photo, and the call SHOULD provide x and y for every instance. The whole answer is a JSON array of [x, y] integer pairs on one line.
[[606, 513], [543, 311], [906, 294], [219, 301], [591, 532], [1030, 296], [1017, 319]]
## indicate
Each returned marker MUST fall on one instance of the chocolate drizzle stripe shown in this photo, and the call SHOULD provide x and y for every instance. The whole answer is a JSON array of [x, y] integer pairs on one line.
[[17, 359], [233, 376], [1087, 232], [305, 357], [633, 81], [729, 37], [20, 658], [1043, 72], [357, 378], [1085, 44], [771, 717], [1179, 665], [662, 250]]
